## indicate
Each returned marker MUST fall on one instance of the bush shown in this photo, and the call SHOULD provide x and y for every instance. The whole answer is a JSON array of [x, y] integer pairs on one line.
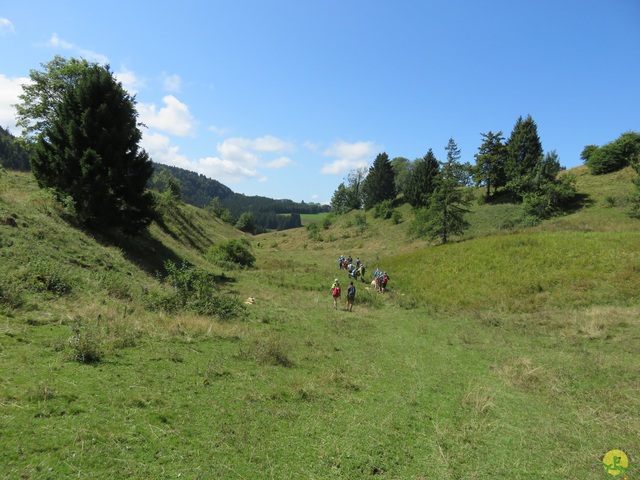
[[45, 277], [234, 252], [313, 230], [396, 217], [86, 344], [196, 291], [614, 155], [550, 199], [383, 210]]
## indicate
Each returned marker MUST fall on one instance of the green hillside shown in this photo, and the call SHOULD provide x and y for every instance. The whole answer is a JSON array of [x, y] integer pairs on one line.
[[509, 353]]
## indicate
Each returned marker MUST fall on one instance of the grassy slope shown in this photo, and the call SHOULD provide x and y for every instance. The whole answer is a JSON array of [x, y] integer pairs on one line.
[[505, 355]]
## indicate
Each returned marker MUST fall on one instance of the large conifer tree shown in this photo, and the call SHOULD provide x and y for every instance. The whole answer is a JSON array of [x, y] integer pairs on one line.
[[524, 154], [490, 162], [422, 181], [379, 185], [89, 152]]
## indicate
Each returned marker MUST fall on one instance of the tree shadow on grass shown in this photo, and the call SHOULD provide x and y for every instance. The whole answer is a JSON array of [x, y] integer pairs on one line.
[[148, 253]]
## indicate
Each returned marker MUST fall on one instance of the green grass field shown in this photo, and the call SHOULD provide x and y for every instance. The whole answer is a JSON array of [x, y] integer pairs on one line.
[[509, 354]]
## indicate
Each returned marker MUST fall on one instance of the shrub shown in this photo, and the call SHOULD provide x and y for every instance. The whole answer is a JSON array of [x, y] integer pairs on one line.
[[396, 217], [614, 155], [550, 199], [86, 343], [196, 291], [45, 277], [313, 230], [234, 252], [383, 209]]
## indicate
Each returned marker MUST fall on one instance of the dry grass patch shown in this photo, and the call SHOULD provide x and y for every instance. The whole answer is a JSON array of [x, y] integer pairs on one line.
[[601, 322], [192, 327], [524, 374]]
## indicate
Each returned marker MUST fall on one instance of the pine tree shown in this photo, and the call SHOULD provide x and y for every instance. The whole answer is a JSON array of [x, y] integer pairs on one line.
[[490, 162], [524, 153], [88, 151], [379, 185], [447, 205], [421, 182]]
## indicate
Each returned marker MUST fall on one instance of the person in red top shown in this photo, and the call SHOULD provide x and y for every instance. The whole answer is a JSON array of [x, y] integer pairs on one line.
[[335, 293]]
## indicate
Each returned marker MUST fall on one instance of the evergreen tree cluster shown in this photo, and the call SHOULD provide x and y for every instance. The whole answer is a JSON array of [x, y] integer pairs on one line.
[[13, 156], [516, 168]]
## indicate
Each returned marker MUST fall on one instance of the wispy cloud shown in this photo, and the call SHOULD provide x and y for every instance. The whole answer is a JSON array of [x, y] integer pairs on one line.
[[279, 162], [6, 26], [173, 118], [56, 42], [220, 131], [348, 156], [171, 83]]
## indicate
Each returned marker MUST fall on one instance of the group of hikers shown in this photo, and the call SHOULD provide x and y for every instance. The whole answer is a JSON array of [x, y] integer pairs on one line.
[[356, 269]]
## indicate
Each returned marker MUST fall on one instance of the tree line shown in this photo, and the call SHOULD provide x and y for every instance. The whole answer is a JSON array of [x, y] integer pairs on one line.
[[81, 135], [515, 168]]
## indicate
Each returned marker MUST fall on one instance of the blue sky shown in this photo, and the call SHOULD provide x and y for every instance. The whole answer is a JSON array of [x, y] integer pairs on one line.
[[284, 98]]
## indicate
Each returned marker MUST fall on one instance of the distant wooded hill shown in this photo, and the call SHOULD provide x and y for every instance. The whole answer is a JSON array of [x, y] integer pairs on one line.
[[196, 190]]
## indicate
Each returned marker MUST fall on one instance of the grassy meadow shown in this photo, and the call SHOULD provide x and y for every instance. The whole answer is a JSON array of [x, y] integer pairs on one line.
[[511, 353]]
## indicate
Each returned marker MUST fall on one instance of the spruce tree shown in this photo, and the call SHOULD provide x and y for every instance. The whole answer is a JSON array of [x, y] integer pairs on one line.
[[89, 152], [379, 184], [490, 162], [524, 154], [421, 183]]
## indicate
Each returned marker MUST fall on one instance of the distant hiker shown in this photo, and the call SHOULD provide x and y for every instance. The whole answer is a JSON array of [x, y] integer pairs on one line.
[[383, 282], [335, 293], [362, 270], [341, 262], [377, 278], [351, 296], [357, 263]]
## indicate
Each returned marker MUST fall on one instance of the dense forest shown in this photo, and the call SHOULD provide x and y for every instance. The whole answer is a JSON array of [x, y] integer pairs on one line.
[[12, 155]]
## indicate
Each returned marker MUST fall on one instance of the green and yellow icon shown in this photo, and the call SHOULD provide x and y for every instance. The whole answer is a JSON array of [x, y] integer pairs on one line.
[[615, 462]]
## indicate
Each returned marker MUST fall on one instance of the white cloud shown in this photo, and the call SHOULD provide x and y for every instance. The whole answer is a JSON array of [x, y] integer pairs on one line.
[[160, 150], [219, 130], [130, 81], [228, 170], [234, 150], [6, 26], [173, 118], [171, 83], [224, 170], [279, 162], [10, 88], [56, 42], [349, 156], [236, 159], [268, 143]]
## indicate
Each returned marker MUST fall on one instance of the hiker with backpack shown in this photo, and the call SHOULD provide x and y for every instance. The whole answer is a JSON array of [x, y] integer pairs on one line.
[[351, 296], [335, 293], [383, 282]]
